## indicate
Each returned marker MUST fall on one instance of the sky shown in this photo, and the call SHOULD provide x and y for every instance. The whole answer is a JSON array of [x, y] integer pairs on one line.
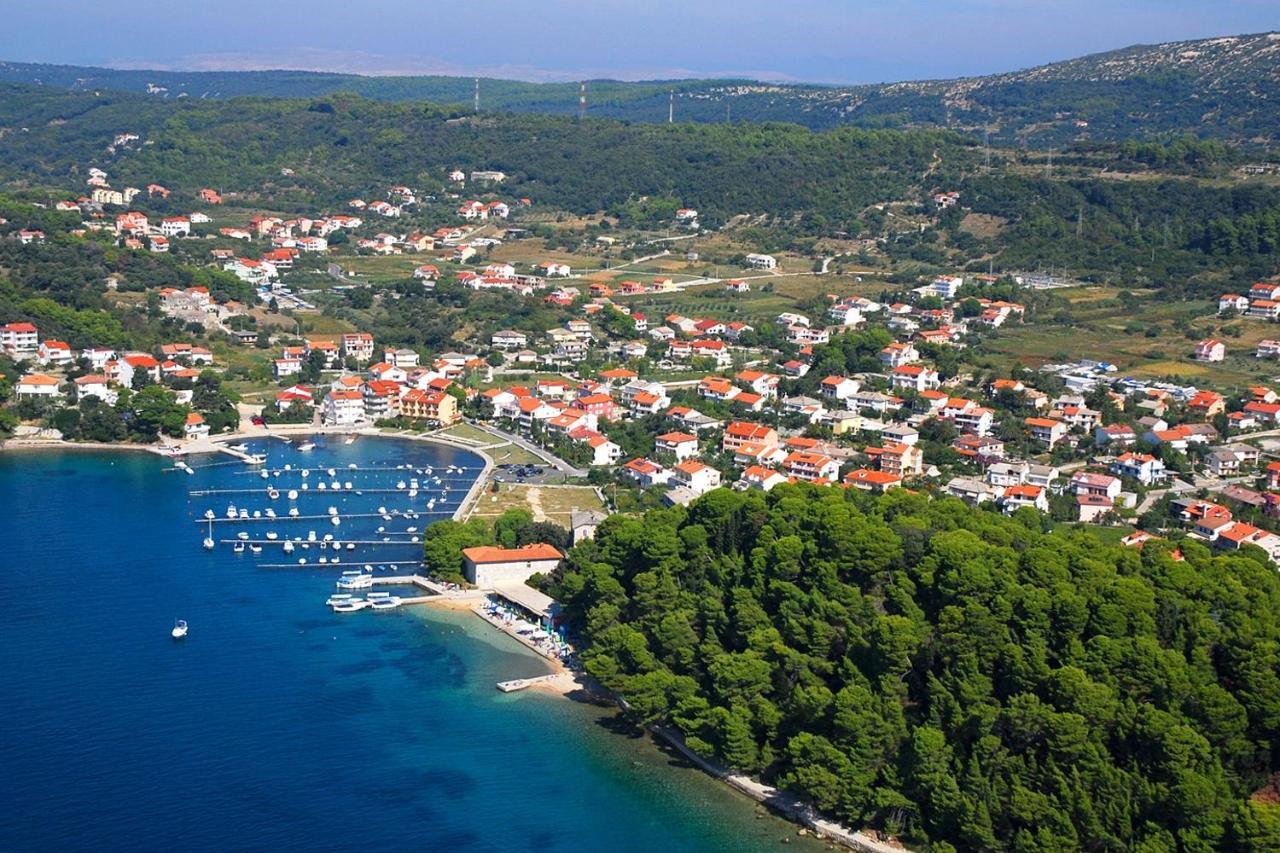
[[822, 41]]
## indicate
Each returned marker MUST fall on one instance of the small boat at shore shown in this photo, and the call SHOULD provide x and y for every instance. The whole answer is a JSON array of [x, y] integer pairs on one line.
[[179, 629]]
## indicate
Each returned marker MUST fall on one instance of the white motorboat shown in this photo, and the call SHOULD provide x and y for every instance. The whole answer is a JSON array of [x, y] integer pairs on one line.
[[293, 513], [238, 547], [334, 486], [208, 539], [306, 472], [179, 629], [333, 510], [244, 513], [242, 535], [305, 487], [386, 603], [401, 485], [307, 445], [257, 549], [272, 535], [208, 513], [271, 513], [293, 494], [355, 580], [351, 546], [348, 606], [288, 547], [257, 513], [323, 560], [311, 536], [353, 466], [322, 486], [264, 474], [274, 494], [231, 511], [332, 473], [335, 520], [347, 485], [351, 439]]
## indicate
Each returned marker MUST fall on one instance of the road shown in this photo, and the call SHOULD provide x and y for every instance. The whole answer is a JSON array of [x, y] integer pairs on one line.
[[550, 458]]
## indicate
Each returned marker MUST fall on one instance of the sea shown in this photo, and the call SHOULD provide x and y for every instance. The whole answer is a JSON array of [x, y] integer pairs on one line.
[[277, 724]]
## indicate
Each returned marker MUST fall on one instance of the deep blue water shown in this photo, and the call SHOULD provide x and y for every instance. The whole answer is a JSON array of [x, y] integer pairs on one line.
[[276, 724]]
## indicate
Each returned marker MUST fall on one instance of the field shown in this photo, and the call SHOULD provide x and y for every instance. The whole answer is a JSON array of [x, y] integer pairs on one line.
[[1153, 340], [547, 503]]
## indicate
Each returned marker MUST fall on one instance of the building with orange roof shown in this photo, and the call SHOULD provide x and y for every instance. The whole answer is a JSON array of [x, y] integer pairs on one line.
[[490, 567], [869, 480]]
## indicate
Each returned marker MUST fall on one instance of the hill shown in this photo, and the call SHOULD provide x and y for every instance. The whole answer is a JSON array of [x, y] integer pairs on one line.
[[960, 678], [1225, 88]]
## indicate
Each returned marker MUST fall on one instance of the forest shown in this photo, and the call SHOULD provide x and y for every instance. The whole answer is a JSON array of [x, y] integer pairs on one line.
[[966, 680]]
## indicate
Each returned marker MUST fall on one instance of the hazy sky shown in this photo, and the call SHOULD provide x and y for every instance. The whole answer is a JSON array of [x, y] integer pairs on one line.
[[816, 40]]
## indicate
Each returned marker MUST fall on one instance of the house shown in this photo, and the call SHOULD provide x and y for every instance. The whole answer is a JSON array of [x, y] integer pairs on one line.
[[900, 459], [1143, 467], [357, 345], [740, 433], [758, 382], [1016, 497], [737, 285], [839, 387], [915, 377], [811, 467], [759, 477], [869, 480], [898, 354], [679, 444], [1210, 350], [1047, 431], [1268, 349], [294, 394], [37, 386], [695, 476], [1114, 435], [54, 352], [94, 386], [717, 388], [762, 262], [1206, 404], [488, 567], [195, 426], [979, 447], [381, 399], [210, 196], [972, 492], [19, 340], [1088, 483], [646, 473], [508, 339], [344, 408], [1091, 507], [1238, 534]]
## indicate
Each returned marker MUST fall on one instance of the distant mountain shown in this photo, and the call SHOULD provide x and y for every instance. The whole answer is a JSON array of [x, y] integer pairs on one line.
[[1225, 88]]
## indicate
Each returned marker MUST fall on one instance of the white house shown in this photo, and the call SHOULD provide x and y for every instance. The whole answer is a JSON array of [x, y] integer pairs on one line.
[[488, 567], [762, 262], [344, 408]]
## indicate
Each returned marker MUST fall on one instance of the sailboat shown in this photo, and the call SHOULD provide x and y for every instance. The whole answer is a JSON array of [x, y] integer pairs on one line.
[[179, 629]]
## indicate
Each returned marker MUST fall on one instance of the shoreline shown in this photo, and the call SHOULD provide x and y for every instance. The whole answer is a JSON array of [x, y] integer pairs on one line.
[[573, 685]]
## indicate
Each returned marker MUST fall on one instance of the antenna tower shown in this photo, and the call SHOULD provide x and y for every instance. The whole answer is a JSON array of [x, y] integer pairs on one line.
[[671, 105], [476, 102], [582, 100]]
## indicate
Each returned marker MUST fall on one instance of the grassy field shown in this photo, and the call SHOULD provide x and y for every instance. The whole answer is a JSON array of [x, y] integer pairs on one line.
[[547, 503], [1147, 341]]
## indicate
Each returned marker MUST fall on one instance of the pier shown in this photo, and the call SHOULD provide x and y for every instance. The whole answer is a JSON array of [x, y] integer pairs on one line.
[[344, 516], [358, 564], [262, 490]]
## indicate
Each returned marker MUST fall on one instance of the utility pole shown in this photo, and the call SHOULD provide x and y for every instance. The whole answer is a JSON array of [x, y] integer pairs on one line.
[[476, 101], [986, 147], [582, 100], [671, 106]]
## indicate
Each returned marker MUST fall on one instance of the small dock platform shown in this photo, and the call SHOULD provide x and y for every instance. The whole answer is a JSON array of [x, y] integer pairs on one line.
[[524, 683]]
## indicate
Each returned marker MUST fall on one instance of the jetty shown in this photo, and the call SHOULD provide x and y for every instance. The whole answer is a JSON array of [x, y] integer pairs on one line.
[[523, 683]]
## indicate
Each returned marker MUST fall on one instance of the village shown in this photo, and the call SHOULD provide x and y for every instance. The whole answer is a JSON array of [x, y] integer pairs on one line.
[[664, 408]]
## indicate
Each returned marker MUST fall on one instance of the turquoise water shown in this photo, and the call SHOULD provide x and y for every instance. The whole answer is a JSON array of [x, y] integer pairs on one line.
[[275, 723]]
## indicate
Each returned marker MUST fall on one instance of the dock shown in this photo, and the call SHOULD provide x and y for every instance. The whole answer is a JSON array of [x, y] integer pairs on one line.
[[523, 683], [398, 514]]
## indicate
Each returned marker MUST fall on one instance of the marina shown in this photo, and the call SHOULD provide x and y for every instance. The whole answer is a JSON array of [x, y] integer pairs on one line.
[[269, 677]]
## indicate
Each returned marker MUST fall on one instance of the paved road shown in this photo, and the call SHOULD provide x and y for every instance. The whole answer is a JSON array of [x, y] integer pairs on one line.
[[550, 458]]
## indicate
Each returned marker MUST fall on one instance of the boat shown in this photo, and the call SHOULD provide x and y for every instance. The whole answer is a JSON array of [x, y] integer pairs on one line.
[[351, 546], [374, 596], [293, 512], [305, 487], [332, 473], [272, 535], [257, 513], [264, 474], [401, 485], [335, 485], [244, 513], [257, 549], [271, 513], [179, 629], [348, 606], [347, 485], [238, 547], [335, 520], [322, 486], [208, 540], [353, 466], [355, 580], [311, 536], [242, 536], [386, 603], [351, 439], [306, 472], [288, 547], [323, 560], [208, 513], [231, 511], [273, 493], [302, 561], [307, 445], [293, 494]]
